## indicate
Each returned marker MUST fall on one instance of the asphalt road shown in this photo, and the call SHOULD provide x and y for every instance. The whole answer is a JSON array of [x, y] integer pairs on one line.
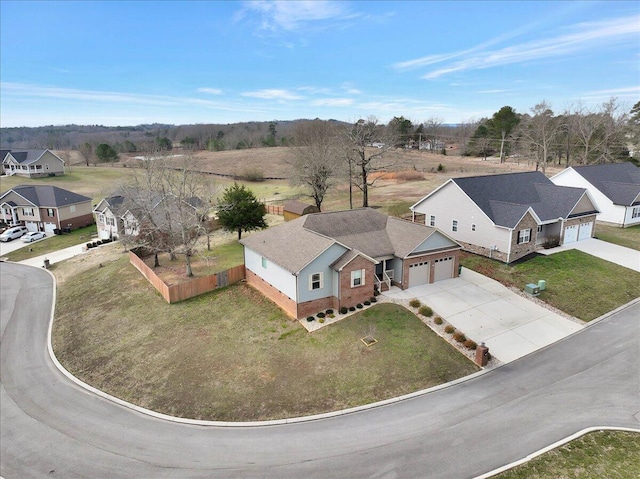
[[52, 428]]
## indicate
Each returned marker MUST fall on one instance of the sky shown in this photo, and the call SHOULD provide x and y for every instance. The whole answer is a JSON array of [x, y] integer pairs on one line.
[[122, 63]]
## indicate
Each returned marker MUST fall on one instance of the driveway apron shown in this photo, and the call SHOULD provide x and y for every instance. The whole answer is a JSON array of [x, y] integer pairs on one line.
[[511, 326]]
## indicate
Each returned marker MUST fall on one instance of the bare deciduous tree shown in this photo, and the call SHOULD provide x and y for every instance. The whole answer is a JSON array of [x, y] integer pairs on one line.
[[540, 131], [315, 157], [365, 147]]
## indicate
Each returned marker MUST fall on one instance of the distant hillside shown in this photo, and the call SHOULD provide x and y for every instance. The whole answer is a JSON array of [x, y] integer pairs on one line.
[[142, 137]]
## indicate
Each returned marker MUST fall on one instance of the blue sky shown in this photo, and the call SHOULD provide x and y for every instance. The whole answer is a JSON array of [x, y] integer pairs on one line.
[[127, 63]]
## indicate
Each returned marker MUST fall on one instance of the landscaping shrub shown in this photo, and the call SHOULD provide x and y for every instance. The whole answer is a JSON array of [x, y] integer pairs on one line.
[[359, 306], [94, 244], [329, 311], [321, 320], [449, 329], [310, 318], [469, 344], [367, 303], [343, 310], [352, 308], [460, 337], [437, 320], [89, 245], [414, 303], [426, 311], [320, 315], [373, 299], [332, 315]]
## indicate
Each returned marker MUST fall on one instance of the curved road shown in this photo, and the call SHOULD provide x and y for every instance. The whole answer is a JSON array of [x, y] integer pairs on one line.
[[52, 428]]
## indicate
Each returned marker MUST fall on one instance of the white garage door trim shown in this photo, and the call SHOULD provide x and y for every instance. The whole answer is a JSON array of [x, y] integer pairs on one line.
[[570, 234], [443, 269], [585, 231], [418, 273], [31, 226], [49, 227]]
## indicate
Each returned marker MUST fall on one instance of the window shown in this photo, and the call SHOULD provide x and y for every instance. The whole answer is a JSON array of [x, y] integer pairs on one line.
[[473, 227], [264, 262], [27, 211], [315, 281], [454, 225], [539, 229], [357, 278], [524, 236], [635, 213], [101, 218], [50, 212], [72, 208], [432, 220], [111, 221]]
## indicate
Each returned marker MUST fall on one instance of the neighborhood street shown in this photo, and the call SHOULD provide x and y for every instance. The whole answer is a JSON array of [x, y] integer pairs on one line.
[[51, 427]]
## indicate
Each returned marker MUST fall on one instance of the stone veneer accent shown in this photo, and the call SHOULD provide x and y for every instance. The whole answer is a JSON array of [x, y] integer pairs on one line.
[[523, 249]]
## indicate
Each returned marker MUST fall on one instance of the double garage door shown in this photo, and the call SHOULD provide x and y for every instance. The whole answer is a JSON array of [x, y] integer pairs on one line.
[[578, 232], [419, 272]]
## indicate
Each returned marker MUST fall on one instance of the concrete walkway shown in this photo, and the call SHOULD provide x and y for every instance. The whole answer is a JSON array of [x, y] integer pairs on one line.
[[627, 257], [55, 256], [511, 325]]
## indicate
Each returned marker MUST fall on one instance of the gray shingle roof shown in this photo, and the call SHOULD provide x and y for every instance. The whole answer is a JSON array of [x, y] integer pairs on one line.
[[25, 157], [298, 207], [45, 196], [620, 182], [288, 245], [294, 244], [504, 198]]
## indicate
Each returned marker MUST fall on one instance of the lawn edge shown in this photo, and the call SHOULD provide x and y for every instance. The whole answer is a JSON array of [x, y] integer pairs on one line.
[[553, 446], [272, 422]]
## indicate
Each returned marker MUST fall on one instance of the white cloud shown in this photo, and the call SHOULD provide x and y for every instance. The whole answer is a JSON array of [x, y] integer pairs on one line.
[[293, 15], [332, 102], [580, 37], [272, 95], [211, 91]]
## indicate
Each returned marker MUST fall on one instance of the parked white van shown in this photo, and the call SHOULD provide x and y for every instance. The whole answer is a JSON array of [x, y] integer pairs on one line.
[[13, 233]]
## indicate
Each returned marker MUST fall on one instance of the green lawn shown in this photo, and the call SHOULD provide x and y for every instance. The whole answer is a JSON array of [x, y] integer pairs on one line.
[[629, 237], [232, 354], [598, 455], [52, 243], [577, 283]]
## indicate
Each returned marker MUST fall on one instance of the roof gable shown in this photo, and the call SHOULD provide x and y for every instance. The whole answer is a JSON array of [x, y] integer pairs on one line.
[[48, 196], [505, 198], [620, 182]]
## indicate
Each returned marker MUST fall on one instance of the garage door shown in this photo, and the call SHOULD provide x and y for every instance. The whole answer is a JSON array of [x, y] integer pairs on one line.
[[585, 231], [444, 269], [570, 234], [31, 226], [49, 227], [418, 273]]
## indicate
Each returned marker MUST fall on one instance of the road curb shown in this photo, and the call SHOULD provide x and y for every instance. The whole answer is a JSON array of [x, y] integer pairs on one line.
[[553, 446]]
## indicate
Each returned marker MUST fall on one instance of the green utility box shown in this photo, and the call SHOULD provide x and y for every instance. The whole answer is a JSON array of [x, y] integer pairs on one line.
[[542, 284], [532, 289]]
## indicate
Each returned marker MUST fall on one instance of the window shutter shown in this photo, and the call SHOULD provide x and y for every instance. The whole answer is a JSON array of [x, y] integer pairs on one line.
[[363, 277]]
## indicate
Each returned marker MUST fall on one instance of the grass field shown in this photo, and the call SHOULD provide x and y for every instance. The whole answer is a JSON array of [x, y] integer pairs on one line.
[[233, 355], [597, 455], [629, 237], [579, 284]]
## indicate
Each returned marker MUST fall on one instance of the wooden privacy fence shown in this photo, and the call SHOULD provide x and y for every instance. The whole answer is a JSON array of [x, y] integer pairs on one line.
[[275, 209], [188, 289]]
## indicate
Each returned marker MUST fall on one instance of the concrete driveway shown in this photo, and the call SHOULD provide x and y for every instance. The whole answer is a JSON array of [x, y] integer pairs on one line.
[[511, 326], [627, 257]]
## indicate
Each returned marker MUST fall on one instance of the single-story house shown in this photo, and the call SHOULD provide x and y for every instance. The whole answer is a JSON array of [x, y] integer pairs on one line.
[[615, 188], [296, 209], [108, 220], [509, 216], [128, 213], [32, 163], [338, 259], [45, 208]]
